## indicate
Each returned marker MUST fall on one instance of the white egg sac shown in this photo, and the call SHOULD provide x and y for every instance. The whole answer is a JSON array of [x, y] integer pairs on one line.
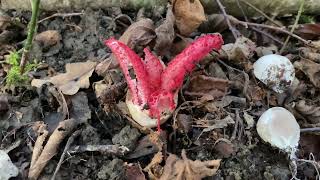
[[275, 71], [279, 127]]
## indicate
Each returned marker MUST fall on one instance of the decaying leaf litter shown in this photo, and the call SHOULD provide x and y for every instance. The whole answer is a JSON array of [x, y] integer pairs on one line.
[[73, 115]]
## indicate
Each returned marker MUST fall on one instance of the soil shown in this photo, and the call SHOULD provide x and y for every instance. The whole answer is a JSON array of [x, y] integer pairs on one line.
[[244, 156]]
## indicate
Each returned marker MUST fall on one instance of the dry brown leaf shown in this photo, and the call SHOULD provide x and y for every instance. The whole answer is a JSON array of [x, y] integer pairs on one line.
[[50, 149], [262, 50], [189, 15], [184, 122], [186, 169], [134, 172], [308, 31], [201, 85], [108, 94], [224, 148], [154, 169], [239, 52], [165, 33], [311, 69], [4, 103], [48, 38], [214, 23], [140, 33], [179, 44], [311, 112], [310, 54], [309, 143], [77, 76]]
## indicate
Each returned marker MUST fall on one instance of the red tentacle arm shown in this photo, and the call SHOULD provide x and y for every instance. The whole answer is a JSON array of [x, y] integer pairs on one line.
[[172, 77], [137, 81], [154, 69]]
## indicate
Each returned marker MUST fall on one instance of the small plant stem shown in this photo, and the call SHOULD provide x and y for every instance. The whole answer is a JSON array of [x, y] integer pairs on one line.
[[261, 12], [31, 30], [293, 27], [235, 33]]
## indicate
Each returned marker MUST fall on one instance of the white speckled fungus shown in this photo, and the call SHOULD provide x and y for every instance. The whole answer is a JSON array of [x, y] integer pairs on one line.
[[275, 71]]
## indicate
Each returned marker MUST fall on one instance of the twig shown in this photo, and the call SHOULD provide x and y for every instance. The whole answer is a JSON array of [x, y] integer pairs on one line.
[[32, 29], [231, 28], [236, 126], [256, 29], [280, 29], [63, 15], [261, 12], [69, 142], [108, 149], [315, 129], [293, 27]]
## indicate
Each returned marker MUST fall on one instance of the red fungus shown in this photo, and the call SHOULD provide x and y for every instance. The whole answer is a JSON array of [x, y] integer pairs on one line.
[[152, 86]]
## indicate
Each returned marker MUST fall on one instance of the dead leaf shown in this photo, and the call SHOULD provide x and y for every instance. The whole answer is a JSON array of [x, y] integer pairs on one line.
[[179, 44], [309, 143], [186, 169], [145, 147], [103, 67], [48, 38], [239, 52], [220, 123], [262, 51], [310, 112], [184, 122], [201, 85], [214, 23], [165, 34], [227, 100], [189, 15], [108, 94], [249, 120], [311, 69], [140, 33], [216, 71], [224, 148], [134, 172], [77, 76], [50, 149], [4, 103], [154, 169], [310, 54], [308, 31], [256, 93], [80, 109], [137, 36]]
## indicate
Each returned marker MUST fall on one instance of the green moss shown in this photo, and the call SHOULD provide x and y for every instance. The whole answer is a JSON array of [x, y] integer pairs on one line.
[[305, 19], [14, 78]]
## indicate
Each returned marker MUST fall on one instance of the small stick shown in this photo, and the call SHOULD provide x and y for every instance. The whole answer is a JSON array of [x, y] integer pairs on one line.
[[256, 29], [280, 29], [231, 28], [305, 130], [32, 29], [261, 12], [69, 142], [63, 15], [108, 149], [293, 27]]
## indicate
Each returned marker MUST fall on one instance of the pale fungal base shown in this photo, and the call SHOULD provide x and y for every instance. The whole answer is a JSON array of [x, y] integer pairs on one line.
[[142, 116]]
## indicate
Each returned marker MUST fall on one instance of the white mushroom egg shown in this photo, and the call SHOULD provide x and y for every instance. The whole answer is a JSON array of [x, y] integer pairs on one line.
[[279, 127], [275, 71]]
